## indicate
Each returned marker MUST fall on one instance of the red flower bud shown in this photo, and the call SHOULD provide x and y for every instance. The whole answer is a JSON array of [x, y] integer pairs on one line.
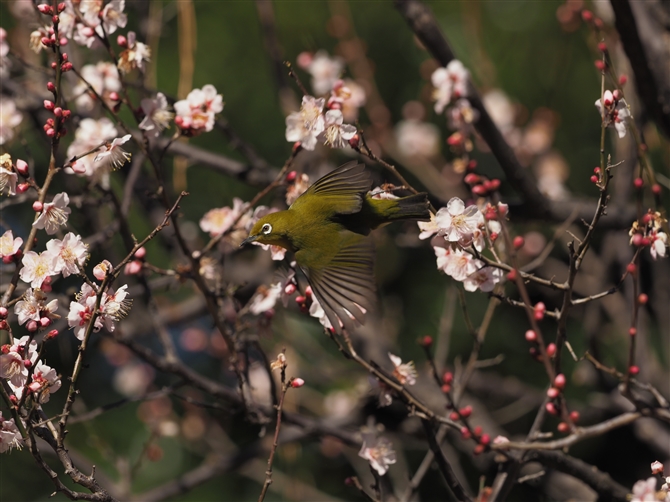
[[54, 19], [22, 167], [617, 95], [51, 132], [623, 79], [3, 312], [602, 47], [454, 416], [563, 428], [465, 433], [642, 299], [472, 165], [354, 141], [51, 334], [600, 65], [477, 431], [632, 331], [631, 268], [634, 370], [574, 416], [67, 66], [485, 439], [45, 9], [448, 377], [291, 176], [551, 409], [61, 6], [531, 336], [296, 383], [553, 392], [479, 449], [22, 187], [638, 183], [559, 381], [587, 15], [511, 275], [38, 206], [466, 411], [446, 388], [122, 41], [426, 341], [58, 111], [518, 242], [114, 96], [594, 179], [479, 190], [471, 178], [551, 349], [656, 189], [49, 105]]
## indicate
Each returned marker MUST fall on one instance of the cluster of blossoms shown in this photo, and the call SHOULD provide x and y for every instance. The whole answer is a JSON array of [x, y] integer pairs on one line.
[[457, 228], [646, 490], [614, 111], [451, 83], [114, 306], [23, 372], [321, 120], [197, 112], [649, 232]]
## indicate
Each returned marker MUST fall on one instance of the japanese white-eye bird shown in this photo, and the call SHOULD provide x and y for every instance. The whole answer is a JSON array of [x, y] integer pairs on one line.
[[328, 229]]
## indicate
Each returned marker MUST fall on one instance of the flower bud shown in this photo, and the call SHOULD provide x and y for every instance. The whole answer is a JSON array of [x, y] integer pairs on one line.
[[291, 176], [67, 66], [511, 275], [22, 167], [63, 41], [88, 31], [354, 141], [479, 449], [448, 377], [44, 322], [493, 185], [656, 467], [587, 15], [22, 187], [632, 331], [594, 179], [518, 242], [479, 190], [553, 392], [51, 132], [3, 312], [31, 325], [616, 94], [563, 428], [58, 111], [551, 349], [446, 388], [114, 96], [132, 268], [55, 19], [122, 41], [61, 6], [51, 334], [141, 253], [465, 433], [623, 79], [466, 411], [49, 105], [531, 336], [51, 87], [631, 268], [600, 64], [296, 383], [656, 189], [574, 416], [38, 206], [559, 381], [477, 431], [485, 439], [638, 183], [551, 409], [454, 416], [53, 65], [426, 341], [602, 47], [471, 178], [642, 299], [634, 370], [46, 41], [45, 9], [472, 165]]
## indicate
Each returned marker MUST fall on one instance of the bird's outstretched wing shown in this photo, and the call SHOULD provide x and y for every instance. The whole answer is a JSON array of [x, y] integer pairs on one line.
[[339, 192], [345, 286]]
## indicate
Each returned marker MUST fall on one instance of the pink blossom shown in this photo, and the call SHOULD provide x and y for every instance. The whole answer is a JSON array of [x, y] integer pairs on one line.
[[297, 188], [659, 243], [9, 245], [644, 490], [103, 78], [484, 279], [450, 82], [45, 381], [219, 220], [13, 364], [307, 124], [197, 112], [90, 135], [379, 452], [37, 267], [101, 270], [135, 56], [325, 71], [10, 436], [614, 113], [265, 298], [54, 214]]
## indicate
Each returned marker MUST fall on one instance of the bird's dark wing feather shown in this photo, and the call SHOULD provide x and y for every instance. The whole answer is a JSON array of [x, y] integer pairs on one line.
[[341, 191], [345, 286]]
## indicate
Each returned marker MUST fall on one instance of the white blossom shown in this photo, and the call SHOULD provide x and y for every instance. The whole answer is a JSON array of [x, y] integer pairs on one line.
[[71, 254], [135, 55], [219, 220], [45, 381], [379, 452], [614, 113], [37, 267], [112, 156], [337, 134], [265, 298], [484, 279], [103, 78], [90, 135], [10, 118], [8, 177], [33, 306], [197, 112], [404, 373], [307, 124], [13, 366], [325, 71], [449, 82], [458, 223], [54, 214], [10, 436], [157, 117]]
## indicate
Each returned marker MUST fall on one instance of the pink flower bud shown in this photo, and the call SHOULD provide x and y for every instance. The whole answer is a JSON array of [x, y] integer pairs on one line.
[[600, 65], [63, 42], [122, 41], [300, 299], [594, 179], [531, 336], [574, 416], [642, 299], [66, 114], [46, 41], [296, 383], [587, 15], [602, 47], [634, 370], [3, 313], [51, 334], [638, 240], [623, 79], [518, 242], [31, 326], [559, 381], [53, 65], [485, 439], [466, 411], [38, 206], [114, 96], [67, 66], [656, 467], [61, 6], [64, 56], [141, 253], [290, 289], [88, 31], [616, 94], [454, 416], [471, 178], [58, 111], [290, 177], [44, 322], [45, 9], [632, 331], [493, 185], [465, 433], [132, 268], [22, 187], [656, 189], [472, 165], [49, 105], [551, 349], [51, 87], [308, 291], [477, 431], [446, 388], [553, 392], [479, 190], [511, 275], [22, 167], [55, 18], [638, 183], [27, 362], [51, 132], [563, 428], [551, 409], [304, 59], [448, 377]]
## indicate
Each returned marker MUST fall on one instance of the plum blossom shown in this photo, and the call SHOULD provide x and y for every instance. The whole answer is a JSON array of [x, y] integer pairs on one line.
[[37, 267], [458, 223], [659, 243], [8, 176], [276, 252], [71, 254], [196, 113], [101, 270], [307, 124], [316, 310], [135, 55], [89, 136], [10, 436], [157, 117], [615, 111], [296, 188], [404, 373], [456, 263], [219, 220], [14, 364], [348, 96], [33, 306], [449, 82], [103, 78], [484, 279], [325, 71], [44, 382], [4, 50], [114, 306], [417, 139], [337, 134], [428, 228], [112, 17], [10, 118], [9, 245], [644, 490], [384, 192], [111, 156], [379, 452], [265, 298], [54, 214]]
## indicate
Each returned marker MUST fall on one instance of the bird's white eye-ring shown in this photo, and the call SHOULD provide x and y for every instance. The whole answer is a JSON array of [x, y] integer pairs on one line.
[[266, 229]]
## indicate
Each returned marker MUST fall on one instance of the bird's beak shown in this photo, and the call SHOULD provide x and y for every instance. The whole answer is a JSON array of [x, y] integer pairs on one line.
[[249, 239]]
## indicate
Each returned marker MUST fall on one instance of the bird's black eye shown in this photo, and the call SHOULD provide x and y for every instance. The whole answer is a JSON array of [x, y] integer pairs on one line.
[[266, 229]]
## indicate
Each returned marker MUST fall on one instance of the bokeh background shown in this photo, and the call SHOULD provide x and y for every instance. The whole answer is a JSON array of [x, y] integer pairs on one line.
[[534, 63]]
